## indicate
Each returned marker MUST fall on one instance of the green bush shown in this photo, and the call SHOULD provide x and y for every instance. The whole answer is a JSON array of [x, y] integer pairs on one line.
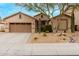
[[47, 28]]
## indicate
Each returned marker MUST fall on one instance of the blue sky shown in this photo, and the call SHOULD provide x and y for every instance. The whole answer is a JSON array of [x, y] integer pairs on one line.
[[7, 9]]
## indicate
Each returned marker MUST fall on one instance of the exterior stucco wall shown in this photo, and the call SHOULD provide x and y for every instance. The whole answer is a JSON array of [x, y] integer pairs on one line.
[[2, 26], [55, 21]]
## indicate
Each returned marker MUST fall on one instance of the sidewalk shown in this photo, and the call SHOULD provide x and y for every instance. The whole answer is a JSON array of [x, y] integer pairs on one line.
[[44, 49]]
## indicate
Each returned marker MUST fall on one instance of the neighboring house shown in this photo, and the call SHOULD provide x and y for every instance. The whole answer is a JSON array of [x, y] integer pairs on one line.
[[41, 21], [2, 26], [61, 23], [19, 22], [76, 14], [76, 17]]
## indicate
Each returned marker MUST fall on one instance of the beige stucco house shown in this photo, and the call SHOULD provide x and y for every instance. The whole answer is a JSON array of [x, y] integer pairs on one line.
[[61, 23], [19, 22]]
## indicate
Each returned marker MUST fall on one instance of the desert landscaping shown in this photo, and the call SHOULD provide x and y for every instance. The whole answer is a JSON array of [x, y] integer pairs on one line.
[[54, 38]]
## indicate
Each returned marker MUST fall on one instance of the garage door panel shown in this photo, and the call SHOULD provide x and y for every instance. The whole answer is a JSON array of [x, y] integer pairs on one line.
[[20, 27]]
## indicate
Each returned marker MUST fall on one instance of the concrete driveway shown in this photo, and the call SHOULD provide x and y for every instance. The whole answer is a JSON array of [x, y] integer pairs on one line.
[[13, 43]]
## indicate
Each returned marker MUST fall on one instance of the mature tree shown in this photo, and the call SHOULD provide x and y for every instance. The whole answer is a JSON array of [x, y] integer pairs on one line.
[[45, 8], [49, 8], [63, 7]]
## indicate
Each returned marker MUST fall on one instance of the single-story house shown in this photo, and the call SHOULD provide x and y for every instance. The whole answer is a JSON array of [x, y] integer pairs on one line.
[[19, 22], [61, 23]]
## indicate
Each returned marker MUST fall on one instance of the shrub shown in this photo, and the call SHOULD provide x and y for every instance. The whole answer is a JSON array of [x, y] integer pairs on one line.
[[47, 28], [47, 31], [42, 29], [64, 38], [44, 34], [35, 38]]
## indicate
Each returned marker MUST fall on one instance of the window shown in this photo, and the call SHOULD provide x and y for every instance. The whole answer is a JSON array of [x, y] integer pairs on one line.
[[41, 16]]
